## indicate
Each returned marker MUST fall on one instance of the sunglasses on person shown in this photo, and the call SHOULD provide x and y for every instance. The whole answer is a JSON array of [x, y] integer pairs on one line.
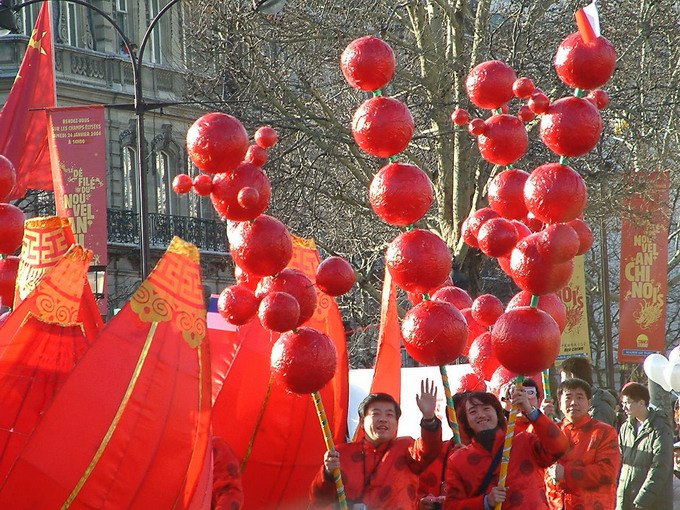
[[530, 390]]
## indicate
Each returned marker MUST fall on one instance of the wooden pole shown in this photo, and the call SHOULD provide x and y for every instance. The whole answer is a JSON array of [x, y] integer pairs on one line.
[[450, 410]]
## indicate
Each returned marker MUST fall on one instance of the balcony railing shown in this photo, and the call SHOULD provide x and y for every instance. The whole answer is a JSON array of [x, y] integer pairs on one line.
[[208, 235]]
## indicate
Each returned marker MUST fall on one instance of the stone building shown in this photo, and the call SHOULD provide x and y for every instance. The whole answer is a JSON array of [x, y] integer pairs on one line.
[[93, 68]]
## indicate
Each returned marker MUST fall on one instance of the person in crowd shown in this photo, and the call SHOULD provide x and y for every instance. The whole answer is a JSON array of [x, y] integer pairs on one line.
[[431, 482], [472, 472], [646, 443], [522, 424], [676, 475], [381, 471], [585, 477], [227, 491], [603, 407]]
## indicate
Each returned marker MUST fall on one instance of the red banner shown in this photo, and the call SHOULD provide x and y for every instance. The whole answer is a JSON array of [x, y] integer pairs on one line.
[[78, 154], [644, 268]]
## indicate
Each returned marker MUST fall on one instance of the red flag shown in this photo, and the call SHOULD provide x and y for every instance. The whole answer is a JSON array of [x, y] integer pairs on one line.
[[23, 133], [588, 22], [387, 374]]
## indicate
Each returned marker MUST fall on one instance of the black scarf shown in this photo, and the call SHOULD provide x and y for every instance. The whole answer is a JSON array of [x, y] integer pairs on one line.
[[486, 438]]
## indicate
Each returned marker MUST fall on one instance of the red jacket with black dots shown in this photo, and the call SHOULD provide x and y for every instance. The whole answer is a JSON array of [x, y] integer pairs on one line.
[[530, 455]]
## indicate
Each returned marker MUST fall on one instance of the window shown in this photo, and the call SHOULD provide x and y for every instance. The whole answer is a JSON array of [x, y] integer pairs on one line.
[[162, 184], [155, 52], [129, 175], [29, 15], [73, 36], [122, 20]]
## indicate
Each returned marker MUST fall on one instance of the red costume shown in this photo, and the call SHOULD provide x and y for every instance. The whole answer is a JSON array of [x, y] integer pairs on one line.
[[382, 477], [227, 489], [591, 467], [531, 453]]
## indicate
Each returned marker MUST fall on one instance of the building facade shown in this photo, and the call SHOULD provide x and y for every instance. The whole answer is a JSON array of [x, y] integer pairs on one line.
[[92, 67]]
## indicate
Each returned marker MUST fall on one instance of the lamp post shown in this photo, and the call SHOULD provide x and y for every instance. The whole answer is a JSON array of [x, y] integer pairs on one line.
[[140, 107]]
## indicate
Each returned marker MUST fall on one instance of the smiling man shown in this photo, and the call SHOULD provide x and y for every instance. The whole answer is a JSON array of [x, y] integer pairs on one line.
[[381, 471], [585, 478]]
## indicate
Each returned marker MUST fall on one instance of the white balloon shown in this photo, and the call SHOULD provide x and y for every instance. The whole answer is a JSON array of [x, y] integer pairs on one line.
[[673, 376], [674, 356], [655, 366]]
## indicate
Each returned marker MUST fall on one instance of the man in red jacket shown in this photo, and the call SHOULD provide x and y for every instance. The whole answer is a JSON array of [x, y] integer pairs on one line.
[[381, 471], [472, 472], [585, 478]]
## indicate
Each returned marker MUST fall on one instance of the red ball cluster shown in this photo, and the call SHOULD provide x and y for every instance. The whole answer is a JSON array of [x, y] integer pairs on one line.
[[11, 232]]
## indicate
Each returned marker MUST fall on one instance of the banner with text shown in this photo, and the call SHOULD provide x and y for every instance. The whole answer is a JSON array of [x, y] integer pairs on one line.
[[78, 155], [644, 268], [575, 338]]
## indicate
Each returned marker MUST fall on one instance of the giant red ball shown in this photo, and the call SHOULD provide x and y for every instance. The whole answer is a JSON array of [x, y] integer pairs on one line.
[[8, 178], [368, 63], [526, 340], [434, 332], [480, 355], [506, 193], [585, 235], [418, 260], [226, 188], [237, 304], [571, 126], [533, 273], [486, 309], [497, 237], [489, 84], [400, 194], [279, 311], [558, 243], [504, 140], [303, 361], [217, 142], [11, 228], [474, 328], [382, 126], [551, 304], [454, 296], [297, 284], [9, 268], [555, 193], [585, 65], [262, 247], [335, 276]]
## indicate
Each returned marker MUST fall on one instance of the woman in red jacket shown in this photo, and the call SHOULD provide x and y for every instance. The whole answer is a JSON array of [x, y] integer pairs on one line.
[[472, 472]]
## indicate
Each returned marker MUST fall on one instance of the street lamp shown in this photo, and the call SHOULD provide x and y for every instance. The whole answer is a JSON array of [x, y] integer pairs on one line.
[[96, 276]]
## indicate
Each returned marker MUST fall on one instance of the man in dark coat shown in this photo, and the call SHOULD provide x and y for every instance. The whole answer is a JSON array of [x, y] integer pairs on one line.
[[646, 442]]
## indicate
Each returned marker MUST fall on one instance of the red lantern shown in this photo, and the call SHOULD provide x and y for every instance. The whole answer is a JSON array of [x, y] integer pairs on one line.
[[525, 114], [400, 194], [585, 65], [368, 63], [279, 311], [538, 102], [533, 273], [551, 304], [227, 187], [489, 84], [256, 155], [558, 243], [8, 178], [523, 88], [262, 247], [467, 382], [202, 185], [11, 228], [476, 127], [486, 309], [460, 117], [266, 137], [434, 332], [237, 304], [217, 142], [246, 279], [382, 126], [599, 98], [555, 193], [506, 193], [526, 340], [571, 127], [454, 296], [182, 183], [497, 237], [9, 268], [481, 356], [504, 140], [418, 260], [474, 328], [304, 361], [296, 284], [585, 235], [335, 276], [473, 223]]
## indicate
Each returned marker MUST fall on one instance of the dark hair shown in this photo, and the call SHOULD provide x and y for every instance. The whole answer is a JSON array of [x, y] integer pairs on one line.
[[579, 367], [530, 383], [574, 384], [378, 397], [479, 398], [636, 391]]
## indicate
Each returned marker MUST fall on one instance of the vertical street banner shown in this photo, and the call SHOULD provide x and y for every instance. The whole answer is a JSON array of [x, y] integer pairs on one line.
[[644, 268], [77, 144], [575, 338]]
